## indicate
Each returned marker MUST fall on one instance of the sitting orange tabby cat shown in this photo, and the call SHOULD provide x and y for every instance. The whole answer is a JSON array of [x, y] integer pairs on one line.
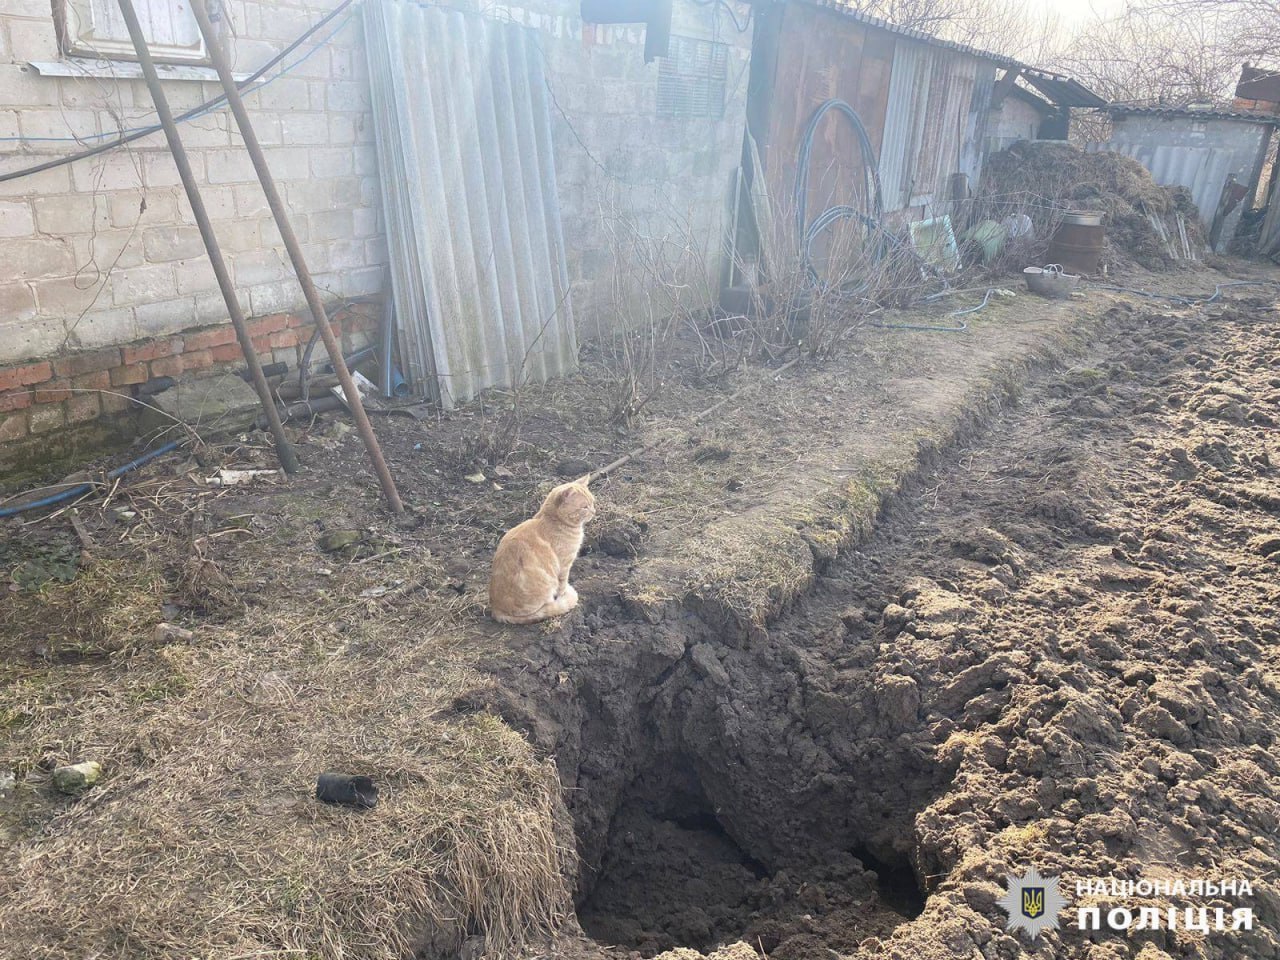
[[530, 578]]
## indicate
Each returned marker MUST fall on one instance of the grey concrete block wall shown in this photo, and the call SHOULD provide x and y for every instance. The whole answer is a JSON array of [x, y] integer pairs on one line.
[[645, 198], [84, 265], [103, 251]]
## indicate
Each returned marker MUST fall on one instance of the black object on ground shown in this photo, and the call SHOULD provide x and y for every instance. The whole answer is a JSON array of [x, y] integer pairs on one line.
[[351, 791]]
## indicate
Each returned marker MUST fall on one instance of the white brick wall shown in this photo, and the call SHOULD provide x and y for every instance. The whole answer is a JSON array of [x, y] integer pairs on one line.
[[72, 239]]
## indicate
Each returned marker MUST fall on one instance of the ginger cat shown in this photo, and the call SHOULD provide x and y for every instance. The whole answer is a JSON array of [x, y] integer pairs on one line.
[[530, 578]]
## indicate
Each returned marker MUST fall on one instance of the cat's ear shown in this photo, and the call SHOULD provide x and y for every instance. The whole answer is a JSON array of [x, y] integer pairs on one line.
[[585, 481]]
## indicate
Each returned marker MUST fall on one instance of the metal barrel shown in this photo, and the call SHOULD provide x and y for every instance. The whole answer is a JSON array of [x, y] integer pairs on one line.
[[1077, 243]]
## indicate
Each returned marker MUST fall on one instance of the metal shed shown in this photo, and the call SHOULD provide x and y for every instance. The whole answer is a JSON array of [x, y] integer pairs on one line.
[[1218, 155], [923, 101]]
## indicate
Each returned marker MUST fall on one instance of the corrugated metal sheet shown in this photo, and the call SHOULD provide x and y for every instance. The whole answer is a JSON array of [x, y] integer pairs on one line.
[[908, 92], [1202, 170], [468, 181], [1187, 113], [934, 125], [1062, 90]]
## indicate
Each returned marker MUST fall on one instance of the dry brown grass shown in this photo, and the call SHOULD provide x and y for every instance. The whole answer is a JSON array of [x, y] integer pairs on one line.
[[110, 606], [204, 838]]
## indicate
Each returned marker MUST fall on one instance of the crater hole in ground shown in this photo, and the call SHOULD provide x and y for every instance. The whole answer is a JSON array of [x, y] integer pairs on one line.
[[677, 873]]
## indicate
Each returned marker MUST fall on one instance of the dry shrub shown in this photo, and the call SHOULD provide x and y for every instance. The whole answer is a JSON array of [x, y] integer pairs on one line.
[[491, 441], [202, 585]]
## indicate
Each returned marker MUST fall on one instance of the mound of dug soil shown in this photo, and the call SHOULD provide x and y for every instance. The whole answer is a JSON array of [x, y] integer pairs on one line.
[[1109, 183], [1056, 651]]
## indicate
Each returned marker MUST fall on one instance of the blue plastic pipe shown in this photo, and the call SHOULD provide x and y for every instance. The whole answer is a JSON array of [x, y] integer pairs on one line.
[[81, 489]]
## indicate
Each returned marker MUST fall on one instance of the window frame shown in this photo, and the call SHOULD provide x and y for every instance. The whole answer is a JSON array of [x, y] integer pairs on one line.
[[72, 42]]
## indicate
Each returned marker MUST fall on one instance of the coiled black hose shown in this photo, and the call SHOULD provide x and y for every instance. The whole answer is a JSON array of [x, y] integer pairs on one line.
[[807, 232]]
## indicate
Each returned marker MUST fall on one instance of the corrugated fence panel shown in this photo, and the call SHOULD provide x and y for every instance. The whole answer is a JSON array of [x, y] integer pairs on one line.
[[1202, 170], [976, 124], [934, 124], [479, 273], [908, 94]]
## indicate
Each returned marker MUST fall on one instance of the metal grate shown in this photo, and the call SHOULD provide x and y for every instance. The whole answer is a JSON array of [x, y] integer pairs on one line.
[[692, 79]]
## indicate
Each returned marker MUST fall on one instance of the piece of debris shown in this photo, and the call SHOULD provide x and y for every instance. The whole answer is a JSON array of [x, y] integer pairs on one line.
[[87, 545], [347, 790], [226, 400], [169, 633], [336, 540], [76, 778], [572, 468], [734, 485], [367, 389], [477, 477], [227, 477], [381, 590], [124, 513], [8, 780]]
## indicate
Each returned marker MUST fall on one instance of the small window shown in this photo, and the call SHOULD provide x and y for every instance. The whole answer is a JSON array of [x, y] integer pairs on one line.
[[96, 28], [692, 79]]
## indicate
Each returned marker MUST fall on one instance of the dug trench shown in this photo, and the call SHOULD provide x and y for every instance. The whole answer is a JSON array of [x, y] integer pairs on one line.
[[1056, 649]]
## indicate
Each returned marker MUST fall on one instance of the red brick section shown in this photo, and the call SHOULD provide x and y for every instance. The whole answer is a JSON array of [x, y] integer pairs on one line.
[[25, 375], [55, 391], [125, 376], [229, 353], [197, 360], [166, 367], [217, 337], [13, 427], [12, 400], [84, 406], [91, 362], [151, 350], [41, 396]]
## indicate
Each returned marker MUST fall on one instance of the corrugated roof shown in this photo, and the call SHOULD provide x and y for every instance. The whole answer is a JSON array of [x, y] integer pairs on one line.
[[1031, 97], [845, 11], [1189, 113], [1061, 89]]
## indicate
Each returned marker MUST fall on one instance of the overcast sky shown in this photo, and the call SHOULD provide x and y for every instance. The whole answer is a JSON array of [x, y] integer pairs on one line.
[[1077, 12]]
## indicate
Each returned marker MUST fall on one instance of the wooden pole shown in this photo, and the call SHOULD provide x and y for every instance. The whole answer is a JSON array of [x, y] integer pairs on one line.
[[218, 57], [284, 451]]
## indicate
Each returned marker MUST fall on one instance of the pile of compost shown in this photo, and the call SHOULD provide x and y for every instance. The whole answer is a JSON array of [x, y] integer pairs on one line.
[[1046, 178]]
